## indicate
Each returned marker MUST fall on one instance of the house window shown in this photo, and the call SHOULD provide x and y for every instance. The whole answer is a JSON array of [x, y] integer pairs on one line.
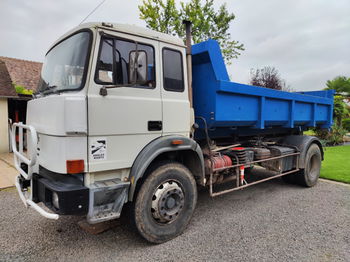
[[173, 70]]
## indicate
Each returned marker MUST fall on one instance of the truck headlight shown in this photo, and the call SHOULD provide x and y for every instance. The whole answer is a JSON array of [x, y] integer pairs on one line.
[[55, 199]]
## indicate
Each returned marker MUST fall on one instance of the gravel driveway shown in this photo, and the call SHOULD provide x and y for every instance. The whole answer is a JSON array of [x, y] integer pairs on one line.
[[272, 221]]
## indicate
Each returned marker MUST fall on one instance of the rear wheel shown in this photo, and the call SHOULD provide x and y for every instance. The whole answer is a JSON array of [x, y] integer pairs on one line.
[[308, 177], [290, 179], [165, 202]]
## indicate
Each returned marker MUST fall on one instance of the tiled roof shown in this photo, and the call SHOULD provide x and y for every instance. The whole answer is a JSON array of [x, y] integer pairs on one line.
[[19, 72], [6, 88]]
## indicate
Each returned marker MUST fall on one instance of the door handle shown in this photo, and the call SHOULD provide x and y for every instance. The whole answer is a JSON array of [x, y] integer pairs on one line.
[[155, 125]]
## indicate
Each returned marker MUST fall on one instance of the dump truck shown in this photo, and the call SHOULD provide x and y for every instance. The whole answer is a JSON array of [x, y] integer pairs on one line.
[[128, 120]]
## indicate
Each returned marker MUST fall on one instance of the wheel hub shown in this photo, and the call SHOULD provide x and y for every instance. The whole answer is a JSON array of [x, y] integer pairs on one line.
[[167, 202]]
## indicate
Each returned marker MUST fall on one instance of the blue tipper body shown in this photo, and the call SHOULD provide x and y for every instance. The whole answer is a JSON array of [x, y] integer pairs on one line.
[[233, 108]]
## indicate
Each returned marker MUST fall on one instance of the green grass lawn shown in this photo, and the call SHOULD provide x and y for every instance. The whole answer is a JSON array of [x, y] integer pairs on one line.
[[336, 164], [309, 133]]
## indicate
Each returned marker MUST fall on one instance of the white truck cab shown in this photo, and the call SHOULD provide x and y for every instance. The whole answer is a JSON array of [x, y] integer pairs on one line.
[[145, 96]]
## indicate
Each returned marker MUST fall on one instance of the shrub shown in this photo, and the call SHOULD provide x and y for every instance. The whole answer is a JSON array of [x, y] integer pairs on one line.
[[321, 133], [22, 90], [333, 137], [336, 136], [346, 124], [19, 89]]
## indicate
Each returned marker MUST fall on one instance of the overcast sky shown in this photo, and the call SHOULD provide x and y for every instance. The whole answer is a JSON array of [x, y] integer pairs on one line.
[[307, 41]]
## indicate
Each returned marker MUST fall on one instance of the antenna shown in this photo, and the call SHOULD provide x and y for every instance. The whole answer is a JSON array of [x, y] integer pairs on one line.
[[92, 11]]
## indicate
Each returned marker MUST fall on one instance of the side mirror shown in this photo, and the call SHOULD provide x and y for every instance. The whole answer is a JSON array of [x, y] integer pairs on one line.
[[137, 66], [105, 72]]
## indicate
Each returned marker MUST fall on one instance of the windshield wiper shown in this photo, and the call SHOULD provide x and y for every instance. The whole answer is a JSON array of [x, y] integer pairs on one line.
[[49, 89]]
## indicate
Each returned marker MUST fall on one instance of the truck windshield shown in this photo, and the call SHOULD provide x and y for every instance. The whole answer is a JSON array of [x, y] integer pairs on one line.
[[64, 66]]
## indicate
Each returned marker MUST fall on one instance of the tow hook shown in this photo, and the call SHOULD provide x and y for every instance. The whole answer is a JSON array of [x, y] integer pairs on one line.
[[24, 183]]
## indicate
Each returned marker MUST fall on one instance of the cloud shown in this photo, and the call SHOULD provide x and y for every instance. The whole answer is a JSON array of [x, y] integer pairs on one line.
[[307, 41], [32, 26]]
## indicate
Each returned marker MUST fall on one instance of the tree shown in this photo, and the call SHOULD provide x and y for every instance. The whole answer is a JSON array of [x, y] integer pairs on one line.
[[341, 109], [268, 77], [341, 85], [341, 112], [165, 16]]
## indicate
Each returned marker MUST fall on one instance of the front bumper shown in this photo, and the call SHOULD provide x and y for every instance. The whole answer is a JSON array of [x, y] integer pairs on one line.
[[29, 203], [72, 197], [65, 194]]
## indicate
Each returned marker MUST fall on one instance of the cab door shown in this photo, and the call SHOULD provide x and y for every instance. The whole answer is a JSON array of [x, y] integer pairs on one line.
[[175, 101], [124, 118]]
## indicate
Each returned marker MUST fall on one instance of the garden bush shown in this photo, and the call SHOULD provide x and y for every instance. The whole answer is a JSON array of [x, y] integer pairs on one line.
[[346, 124], [333, 137]]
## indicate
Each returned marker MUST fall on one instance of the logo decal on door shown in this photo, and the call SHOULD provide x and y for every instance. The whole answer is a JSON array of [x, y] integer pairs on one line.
[[98, 148]]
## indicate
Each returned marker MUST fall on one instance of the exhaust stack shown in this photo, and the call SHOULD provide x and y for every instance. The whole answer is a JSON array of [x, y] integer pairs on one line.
[[188, 27]]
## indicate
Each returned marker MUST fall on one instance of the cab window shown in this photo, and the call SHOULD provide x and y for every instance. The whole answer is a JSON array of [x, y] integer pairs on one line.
[[125, 63], [173, 70]]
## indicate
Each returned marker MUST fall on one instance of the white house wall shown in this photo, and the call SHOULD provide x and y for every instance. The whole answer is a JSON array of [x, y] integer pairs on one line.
[[4, 139]]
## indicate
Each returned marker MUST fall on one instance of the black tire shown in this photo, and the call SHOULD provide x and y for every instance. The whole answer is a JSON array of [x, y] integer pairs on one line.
[[290, 179], [308, 177], [165, 202], [249, 169]]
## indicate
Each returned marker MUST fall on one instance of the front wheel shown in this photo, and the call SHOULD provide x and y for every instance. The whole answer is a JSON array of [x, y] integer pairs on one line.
[[165, 202]]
